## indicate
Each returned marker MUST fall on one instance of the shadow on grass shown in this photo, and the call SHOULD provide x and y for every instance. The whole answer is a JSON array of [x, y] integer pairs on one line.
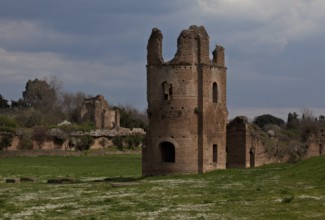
[[120, 179]]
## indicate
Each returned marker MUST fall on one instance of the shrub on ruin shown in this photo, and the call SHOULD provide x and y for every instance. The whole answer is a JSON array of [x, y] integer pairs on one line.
[[29, 118], [118, 142], [130, 142], [296, 151], [130, 117], [309, 128], [263, 120], [134, 140], [85, 127], [6, 140], [6, 121], [40, 135], [84, 143], [25, 140]]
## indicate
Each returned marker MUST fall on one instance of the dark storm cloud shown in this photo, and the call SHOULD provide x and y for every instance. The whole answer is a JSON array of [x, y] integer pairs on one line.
[[87, 28], [274, 50]]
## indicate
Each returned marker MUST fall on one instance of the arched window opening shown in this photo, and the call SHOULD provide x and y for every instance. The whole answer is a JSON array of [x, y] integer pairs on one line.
[[167, 90], [252, 157], [167, 152], [215, 92], [215, 153]]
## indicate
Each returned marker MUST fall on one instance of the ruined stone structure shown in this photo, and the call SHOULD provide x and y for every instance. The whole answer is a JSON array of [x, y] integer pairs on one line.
[[315, 144], [245, 147], [249, 146], [186, 106], [59, 139], [97, 110]]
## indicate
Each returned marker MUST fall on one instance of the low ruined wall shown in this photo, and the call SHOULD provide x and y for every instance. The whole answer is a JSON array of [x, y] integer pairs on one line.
[[59, 140], [249, 146], [37, 153]]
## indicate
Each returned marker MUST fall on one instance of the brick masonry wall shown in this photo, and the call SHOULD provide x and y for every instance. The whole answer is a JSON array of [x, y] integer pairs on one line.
[[181, 109]]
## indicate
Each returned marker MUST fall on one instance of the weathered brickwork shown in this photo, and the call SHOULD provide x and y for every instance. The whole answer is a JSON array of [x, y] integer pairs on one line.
[[315, 145], [97, 110], [186, 106], [249, 146], [245, 145]]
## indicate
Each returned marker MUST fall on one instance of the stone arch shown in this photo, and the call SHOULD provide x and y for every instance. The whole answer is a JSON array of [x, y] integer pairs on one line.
[[215, 92], [167, 150]]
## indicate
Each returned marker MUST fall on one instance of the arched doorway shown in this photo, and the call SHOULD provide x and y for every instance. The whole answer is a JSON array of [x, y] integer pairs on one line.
[[167, 150], [252, 157]]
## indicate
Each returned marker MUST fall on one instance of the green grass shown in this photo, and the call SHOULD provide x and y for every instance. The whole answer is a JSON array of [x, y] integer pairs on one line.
[[45, 167], [280, 191]]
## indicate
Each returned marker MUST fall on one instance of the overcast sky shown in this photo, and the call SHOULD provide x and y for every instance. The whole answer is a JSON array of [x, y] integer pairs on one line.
[[275, 50]]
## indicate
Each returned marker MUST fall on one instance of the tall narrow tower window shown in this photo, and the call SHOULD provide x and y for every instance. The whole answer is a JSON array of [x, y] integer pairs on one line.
[[215, 92], [215, 153], [167, 90], [252, 157], [321, 149]]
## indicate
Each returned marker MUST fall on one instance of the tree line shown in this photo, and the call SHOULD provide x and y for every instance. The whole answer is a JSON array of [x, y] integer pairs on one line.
[[44, 103]]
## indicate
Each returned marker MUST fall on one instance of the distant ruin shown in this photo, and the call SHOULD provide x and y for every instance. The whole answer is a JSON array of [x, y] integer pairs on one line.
[[97, 110], [66, 135]]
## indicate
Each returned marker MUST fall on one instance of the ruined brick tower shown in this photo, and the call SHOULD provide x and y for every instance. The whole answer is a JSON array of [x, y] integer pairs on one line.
[[186, 106]]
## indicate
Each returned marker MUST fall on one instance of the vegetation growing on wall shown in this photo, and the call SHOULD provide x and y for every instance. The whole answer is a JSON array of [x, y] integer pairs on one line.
[[263, 120], [292, 139], [131, 117], [6, 140]]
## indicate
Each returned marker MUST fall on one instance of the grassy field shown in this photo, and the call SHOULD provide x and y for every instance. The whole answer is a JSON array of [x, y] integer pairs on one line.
[[294, 191]]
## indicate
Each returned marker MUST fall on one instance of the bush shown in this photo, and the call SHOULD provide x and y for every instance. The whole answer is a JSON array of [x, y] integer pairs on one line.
[[118, 142], [134, 140], [132, 118], [84, 143], [309, 128], [85, 127], [29, 118], [263, 120], [25, 140], [7, 122], [8, 129], [6, 140], [40, 135]]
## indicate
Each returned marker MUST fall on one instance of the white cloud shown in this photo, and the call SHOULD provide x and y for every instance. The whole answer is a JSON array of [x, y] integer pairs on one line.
[[265, 26], [29, 34], [269, 45]]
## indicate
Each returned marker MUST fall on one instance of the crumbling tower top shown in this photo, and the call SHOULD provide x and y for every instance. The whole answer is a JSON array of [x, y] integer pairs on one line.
[[192, 48]]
